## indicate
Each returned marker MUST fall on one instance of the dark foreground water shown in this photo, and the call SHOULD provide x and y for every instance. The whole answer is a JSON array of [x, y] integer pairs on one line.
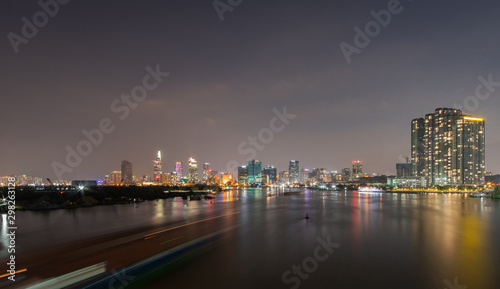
[[351, 240]]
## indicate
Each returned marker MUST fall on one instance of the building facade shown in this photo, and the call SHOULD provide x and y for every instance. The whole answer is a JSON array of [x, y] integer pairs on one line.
[[178, 171], [254, 172], [357, 169], [269, 175], [417, 147], [116, 178], [193, 171], [127, 175], [404, 170], [157, 167], [206, 172], [293, 171], [346, 174], [243, 175], [453, 146]]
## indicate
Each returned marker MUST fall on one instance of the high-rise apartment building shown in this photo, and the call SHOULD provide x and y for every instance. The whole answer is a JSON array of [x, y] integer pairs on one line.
[[417, 147], [453, 147], [293, 171]]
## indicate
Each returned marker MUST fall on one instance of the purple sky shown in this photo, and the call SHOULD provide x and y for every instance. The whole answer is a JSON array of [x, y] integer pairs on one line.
[[226, 77]]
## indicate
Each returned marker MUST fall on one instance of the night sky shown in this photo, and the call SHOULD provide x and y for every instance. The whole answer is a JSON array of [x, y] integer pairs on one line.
[[226, 77]]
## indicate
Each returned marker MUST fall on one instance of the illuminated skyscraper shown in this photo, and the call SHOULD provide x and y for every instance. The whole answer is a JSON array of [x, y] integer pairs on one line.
[[269, 174], [157, 167], [284, 177], [193, 171], [417, 147], [127, 172], [116, 177], [454, 148], [346, 174], [357, 169], [293, 171], [254, 172], [206, 172], [243, 175], [304, 176], [178, 171]]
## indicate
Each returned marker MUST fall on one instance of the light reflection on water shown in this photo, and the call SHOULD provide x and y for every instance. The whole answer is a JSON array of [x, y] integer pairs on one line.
[[388, 241]]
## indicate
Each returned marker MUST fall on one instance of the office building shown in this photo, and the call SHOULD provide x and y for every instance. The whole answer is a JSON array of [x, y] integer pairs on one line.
[[254, 172], [192, 170], [206, 172], [284, 177], [157, 167], [346, 174], [293, 171], [304, 175], [357, 169], [243, 175], [178, 171], [128, 177], [116, 178], [269, 175], [404, 170]]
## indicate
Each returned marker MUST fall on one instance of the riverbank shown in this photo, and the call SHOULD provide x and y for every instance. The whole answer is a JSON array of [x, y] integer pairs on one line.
[[29, 199]]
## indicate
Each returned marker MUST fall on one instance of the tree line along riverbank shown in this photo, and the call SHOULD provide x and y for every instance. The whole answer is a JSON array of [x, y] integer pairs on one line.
[[28, 198]]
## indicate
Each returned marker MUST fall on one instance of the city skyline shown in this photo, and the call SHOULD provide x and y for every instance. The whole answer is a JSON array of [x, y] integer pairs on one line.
[[418, 167], [225, 80]]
